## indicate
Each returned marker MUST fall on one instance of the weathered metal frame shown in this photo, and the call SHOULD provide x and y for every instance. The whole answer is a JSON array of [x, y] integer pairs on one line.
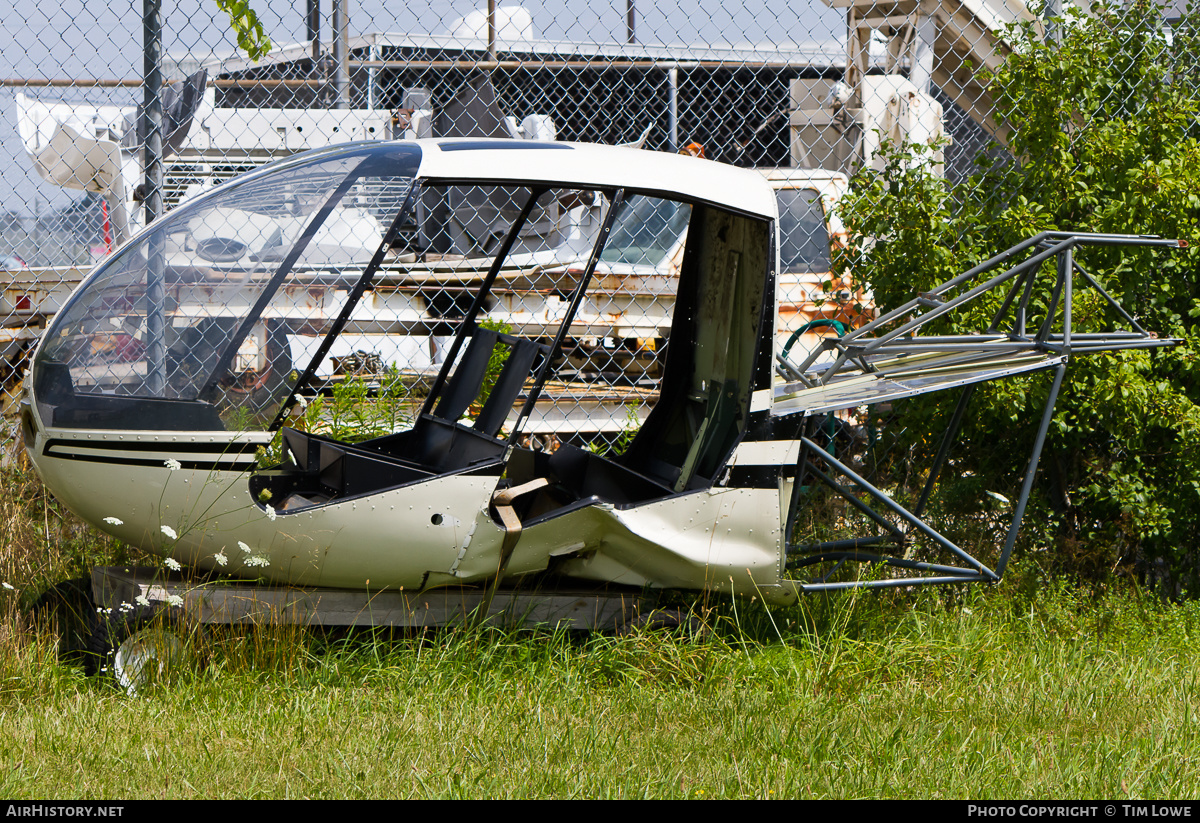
[[853, 358], [117, 588], [858, 344]]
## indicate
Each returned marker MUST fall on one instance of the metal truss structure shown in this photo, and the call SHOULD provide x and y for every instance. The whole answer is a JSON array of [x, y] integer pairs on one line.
[[888, 359]]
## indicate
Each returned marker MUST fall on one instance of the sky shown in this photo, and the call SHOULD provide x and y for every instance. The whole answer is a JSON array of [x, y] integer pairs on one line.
[[77, 39]]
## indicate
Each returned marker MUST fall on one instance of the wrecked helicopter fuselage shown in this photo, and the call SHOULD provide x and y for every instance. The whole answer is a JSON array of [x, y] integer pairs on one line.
[[148, 408]]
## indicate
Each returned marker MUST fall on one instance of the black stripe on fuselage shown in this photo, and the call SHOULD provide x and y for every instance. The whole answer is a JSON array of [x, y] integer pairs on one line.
[[225, 457]]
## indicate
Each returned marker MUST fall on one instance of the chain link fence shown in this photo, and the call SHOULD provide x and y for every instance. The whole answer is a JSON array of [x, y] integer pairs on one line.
[[808, 94]]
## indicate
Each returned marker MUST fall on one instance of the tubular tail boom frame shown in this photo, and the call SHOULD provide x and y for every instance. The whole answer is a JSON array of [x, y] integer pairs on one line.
[[858, 354]]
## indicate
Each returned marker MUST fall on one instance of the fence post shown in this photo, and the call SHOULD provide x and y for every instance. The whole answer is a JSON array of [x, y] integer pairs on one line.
[[152, 118]]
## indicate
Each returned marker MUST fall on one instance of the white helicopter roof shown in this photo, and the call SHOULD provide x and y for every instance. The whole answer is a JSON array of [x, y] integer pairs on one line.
[[597, 166]]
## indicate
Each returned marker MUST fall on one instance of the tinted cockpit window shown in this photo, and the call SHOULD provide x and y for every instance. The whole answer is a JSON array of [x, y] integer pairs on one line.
[[645, 230], [803, 238]]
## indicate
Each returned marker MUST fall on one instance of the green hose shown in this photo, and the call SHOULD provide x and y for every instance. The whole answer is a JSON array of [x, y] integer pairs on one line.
[[841, 329]]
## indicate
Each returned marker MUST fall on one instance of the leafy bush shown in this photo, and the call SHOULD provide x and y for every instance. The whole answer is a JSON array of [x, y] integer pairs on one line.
[[1102, 130]]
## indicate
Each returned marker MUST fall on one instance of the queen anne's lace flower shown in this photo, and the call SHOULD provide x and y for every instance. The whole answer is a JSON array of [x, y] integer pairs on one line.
[[142, 600], [271, 515], [255, 560], [174, 600], [169, 532], [220, 558], [173, 464], [172, 564], [114, 521], [243, 547]]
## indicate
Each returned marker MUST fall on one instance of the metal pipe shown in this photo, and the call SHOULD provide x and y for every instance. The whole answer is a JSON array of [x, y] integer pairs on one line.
[[1003, 310], [372, 98], [1052, 20], [986, 265], [1027, 486], [1147, 343], [69, 83], [649, 64], [491, 32], [1023, 306], [312, 21], [835, 545], [1051, 309], [341, 53], [152, 116], [896, 348], [1121, 309], [673, 108], [865, 508], [955, 338], [891, 584], [269, 83], [794, 498], [900, 511], [944, 449], [917, 322], [1066, 275], [871, 557], [630, 20]]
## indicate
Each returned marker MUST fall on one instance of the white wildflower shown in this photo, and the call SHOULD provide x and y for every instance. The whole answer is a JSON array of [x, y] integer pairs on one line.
[[142, 600], [8, 586], [255, 560], [173, 464], [243, 547], [220, 558], [114, 521], [126, 607], [271, 515], [169, 532], [998, 496], [301, 402], [172, 564], [174, 600]]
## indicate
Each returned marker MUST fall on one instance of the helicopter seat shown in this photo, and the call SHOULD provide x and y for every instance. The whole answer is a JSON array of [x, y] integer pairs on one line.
[[441, 442]]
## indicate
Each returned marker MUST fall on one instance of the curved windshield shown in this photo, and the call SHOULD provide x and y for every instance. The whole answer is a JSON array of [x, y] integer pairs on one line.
[[193, 321]]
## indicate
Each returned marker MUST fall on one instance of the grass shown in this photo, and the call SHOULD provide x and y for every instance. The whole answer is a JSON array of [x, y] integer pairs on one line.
[[1033, 689]]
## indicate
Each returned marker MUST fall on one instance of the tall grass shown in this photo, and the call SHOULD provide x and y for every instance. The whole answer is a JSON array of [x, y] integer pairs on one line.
[[1034, 688]]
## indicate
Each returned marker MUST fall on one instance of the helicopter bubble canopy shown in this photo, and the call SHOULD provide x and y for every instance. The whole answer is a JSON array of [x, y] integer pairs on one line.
[[210, 318], [186, 327]]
